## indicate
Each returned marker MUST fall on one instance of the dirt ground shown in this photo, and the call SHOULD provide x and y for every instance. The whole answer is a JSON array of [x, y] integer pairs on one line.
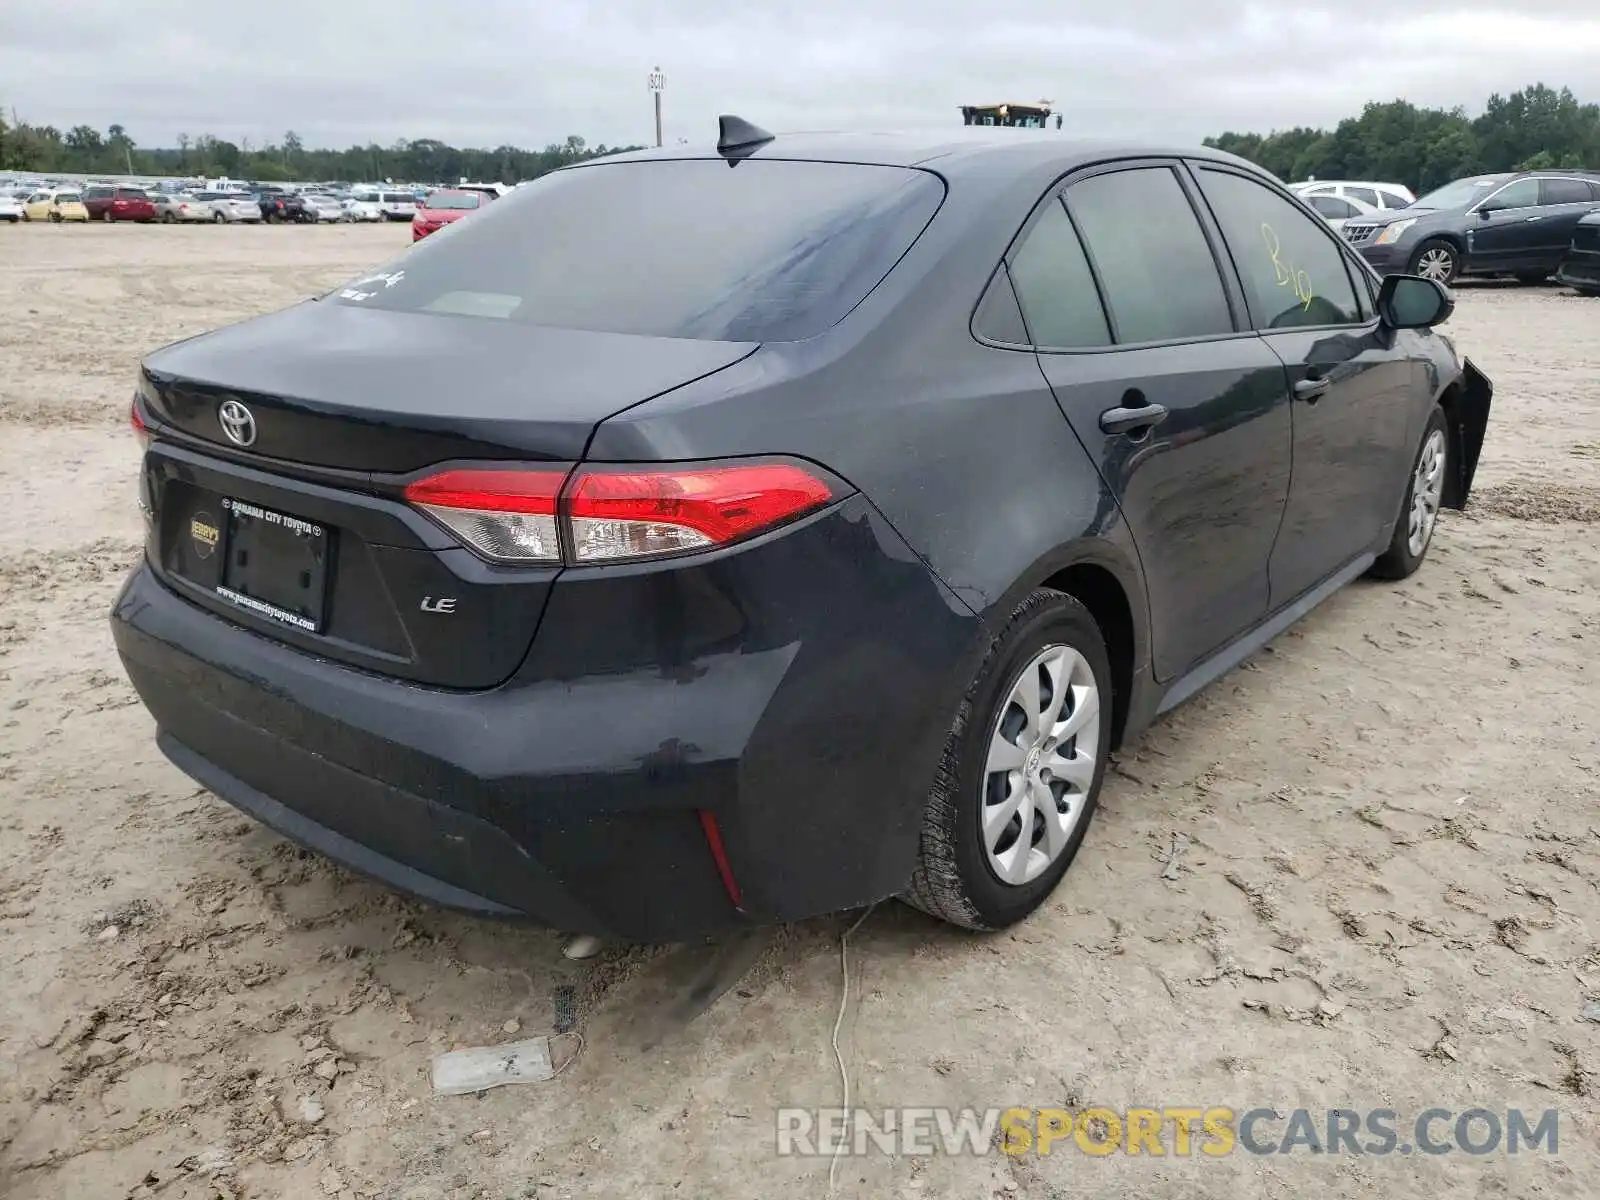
[[1388, 897]]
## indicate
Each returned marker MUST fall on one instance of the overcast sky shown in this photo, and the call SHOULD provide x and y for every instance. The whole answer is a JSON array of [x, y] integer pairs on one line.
[[529, 72]]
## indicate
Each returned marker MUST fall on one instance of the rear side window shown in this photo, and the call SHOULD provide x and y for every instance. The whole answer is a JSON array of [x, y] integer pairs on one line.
[[1294, 273], [1394, 200], [998, 318], [1155, 266], [1055, 286], [1333, 207], [1563, 191], [1365, 195], [767, 250]]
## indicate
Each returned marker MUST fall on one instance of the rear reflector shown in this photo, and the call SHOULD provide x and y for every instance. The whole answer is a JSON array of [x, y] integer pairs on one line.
[[615, 514]]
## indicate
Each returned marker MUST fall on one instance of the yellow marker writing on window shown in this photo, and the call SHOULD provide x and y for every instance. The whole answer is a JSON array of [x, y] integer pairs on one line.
[[1286, 274]]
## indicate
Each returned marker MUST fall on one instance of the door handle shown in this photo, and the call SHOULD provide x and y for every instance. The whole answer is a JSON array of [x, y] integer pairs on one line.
[[1311, 390], [1130, 420], [1531, 220]]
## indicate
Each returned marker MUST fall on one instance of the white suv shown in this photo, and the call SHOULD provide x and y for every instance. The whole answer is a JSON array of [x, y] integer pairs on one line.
[[1381, 196]]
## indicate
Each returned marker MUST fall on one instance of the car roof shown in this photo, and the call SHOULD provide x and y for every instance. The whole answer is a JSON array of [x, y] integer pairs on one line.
[[979, 149]]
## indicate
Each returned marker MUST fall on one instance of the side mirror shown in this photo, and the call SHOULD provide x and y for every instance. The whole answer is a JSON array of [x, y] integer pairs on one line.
[[1485, 213], [1412, 302]]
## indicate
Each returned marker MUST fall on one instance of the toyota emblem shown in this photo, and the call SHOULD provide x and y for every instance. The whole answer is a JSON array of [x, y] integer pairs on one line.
[[237, 422]]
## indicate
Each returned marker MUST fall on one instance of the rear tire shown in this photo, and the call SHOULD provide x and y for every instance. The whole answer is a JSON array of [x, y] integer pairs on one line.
[[998, 762], [1436, 259], [1419, 511], [218, 219], [55, 218]]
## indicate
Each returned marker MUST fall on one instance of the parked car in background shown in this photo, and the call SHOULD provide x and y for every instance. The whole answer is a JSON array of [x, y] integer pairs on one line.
[[172, 207], [278, 207], [107, 202], [231, 207], [1336, 210], [10, 208], [55, 206], [360, 209], [1498, 224], [397, 206], [1383, 197], [322, 207], [443, 207], [1580, 269], [813, 541]]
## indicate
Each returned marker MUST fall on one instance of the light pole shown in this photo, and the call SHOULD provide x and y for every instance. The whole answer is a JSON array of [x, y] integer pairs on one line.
[[658, 84]]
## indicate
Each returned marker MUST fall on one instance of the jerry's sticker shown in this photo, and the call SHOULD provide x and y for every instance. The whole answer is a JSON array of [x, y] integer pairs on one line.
[[204, 534]]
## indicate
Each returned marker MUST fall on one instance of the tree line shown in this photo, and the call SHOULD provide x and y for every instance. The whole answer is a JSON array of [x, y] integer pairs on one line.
[[1395, 141], [1532, 129], [42, 149]]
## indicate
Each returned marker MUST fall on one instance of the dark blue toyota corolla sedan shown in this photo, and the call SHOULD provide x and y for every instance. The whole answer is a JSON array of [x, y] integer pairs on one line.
[[700, 537]]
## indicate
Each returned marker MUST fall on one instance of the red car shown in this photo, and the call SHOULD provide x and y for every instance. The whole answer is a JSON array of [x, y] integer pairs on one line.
[[118, 204], [443, 207]]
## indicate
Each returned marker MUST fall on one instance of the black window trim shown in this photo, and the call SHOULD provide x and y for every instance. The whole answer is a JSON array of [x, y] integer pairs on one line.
[[1055, 193], [1369, 316]]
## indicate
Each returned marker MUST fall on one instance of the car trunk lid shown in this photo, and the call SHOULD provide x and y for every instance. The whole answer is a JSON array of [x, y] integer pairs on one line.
[[303, 534], [382, 391]]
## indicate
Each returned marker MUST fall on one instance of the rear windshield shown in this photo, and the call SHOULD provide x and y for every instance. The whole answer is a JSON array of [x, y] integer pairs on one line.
[[453, 200], [768, 250], [132, 194], [399, 198], [67, 197]]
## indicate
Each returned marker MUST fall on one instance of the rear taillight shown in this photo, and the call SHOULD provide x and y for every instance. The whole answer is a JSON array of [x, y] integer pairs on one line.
[[640, 512], [141, 430], [611, 514], [506, 516]]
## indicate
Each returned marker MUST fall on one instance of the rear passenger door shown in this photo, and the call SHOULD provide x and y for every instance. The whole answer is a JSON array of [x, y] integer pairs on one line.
[[1186, 417], [1353, 381], [1565, 202]]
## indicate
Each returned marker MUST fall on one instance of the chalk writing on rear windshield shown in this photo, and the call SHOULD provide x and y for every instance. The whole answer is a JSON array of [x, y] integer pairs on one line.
[[1286, 273]]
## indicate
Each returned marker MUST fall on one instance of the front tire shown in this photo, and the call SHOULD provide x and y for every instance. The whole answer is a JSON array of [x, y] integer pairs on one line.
[[1419, 511], [1436, 259], [55, 218], [1022, 768]]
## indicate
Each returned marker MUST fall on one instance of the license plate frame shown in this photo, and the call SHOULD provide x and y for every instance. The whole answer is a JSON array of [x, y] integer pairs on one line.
[[275, 565]]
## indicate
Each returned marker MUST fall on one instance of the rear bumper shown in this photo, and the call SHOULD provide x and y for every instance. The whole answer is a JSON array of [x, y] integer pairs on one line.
[[1580, 270], [797, 689]]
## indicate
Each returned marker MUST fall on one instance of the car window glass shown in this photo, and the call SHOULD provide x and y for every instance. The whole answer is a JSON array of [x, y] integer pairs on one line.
[[1563, 191], [999, 319], [1160, 278], [1524, 193], [1332, 206], [774, 250], [1055, 286], [1365, 195], [1393, 200], [1294, 273]]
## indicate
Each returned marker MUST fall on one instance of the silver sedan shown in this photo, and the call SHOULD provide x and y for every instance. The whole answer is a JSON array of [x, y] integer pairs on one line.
[[231, 207]]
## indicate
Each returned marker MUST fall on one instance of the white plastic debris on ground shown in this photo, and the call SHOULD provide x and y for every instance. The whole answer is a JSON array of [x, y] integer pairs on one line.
[[460, 1072]]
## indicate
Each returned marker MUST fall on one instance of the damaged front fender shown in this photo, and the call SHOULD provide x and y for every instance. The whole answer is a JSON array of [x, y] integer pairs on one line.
[[1469, 419]]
